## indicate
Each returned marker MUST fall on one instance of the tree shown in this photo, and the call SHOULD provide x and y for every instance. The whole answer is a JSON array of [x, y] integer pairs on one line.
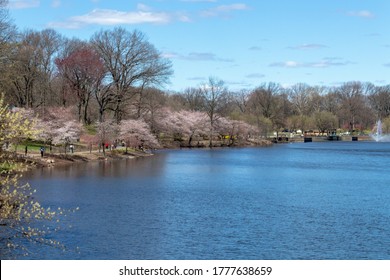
[[7, 34], [236, 132], [84, 71], [193, 99], [107, 134], [215, 100], [264, 100], [183, 125], [131, 62], [325, 121], [269, 103], [12, 126], [31, 68], [241, 99], [137, 134], [354, 107], [19, 211], [59, 127], [380, 101], [151, 103], [299, 96], [300, 122]]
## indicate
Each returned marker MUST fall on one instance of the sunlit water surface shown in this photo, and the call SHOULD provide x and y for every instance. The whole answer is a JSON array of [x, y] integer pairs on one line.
[[295, 201]]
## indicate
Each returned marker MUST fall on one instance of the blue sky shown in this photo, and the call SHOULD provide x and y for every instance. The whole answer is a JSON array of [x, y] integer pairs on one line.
[[243, 42]]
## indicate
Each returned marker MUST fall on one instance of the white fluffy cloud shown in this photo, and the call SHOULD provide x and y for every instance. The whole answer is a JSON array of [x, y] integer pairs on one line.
[[224, 9], [362, 14], [24, 4], [108, 17], [324, 63]]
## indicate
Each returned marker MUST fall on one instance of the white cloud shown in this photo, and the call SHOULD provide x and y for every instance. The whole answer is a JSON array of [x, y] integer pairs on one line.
[[308, 47], [106, 17], [362, 14], [143, 7], [56, 3], [286, 64], [255, 76], [324, 63], [224, 10], [24, 4], [113, 17], [209, 1], [197, 56], [197, 78]]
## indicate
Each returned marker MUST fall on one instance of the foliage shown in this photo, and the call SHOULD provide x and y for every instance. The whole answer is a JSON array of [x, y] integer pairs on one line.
[[83, 70], [386, 125], [137, 134], [13, 126], [59, 127], [21, 216], [184, 125], [326, 121], [125, 73], [107, 132]]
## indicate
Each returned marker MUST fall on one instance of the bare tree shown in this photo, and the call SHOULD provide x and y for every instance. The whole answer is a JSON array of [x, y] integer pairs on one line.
[[131, 62], [84, 72], [354, 107], [264, 100], [241, 100], [32, 67], [7, 31], [215, 96], [299, 96], [193, 98], [269, 102], [380, 101], [152, 102]]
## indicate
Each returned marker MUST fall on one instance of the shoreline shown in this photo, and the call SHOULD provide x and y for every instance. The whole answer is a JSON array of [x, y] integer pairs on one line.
[[60, 159], [54, 160]]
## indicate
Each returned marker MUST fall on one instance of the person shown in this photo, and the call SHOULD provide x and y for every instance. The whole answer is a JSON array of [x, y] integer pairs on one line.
[[42, 151], [71, 147], [25, 151]]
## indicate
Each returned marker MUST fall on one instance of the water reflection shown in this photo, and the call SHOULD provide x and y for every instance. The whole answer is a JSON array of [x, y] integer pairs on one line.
[[301, 201]]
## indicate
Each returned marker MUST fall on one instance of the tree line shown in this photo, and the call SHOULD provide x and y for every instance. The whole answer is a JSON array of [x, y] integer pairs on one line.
[[118, 75], [113, 86]]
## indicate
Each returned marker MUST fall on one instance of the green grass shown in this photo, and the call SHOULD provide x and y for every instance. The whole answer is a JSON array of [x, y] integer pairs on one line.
[[31, 146], [90, 129]]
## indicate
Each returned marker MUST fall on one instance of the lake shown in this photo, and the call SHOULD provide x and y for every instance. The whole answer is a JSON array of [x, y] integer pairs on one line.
[[327, 200]]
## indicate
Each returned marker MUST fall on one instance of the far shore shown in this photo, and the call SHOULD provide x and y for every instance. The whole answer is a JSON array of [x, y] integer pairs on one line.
[[51, 159], [61, 159]]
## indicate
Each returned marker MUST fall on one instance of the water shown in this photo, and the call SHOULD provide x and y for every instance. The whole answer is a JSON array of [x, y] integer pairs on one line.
[[293, 201]]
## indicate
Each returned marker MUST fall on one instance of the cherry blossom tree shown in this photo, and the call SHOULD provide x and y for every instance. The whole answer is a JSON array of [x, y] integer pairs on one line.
[[137, 134], [59, 127], [184, 125], [107, 134], [235, 132]]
